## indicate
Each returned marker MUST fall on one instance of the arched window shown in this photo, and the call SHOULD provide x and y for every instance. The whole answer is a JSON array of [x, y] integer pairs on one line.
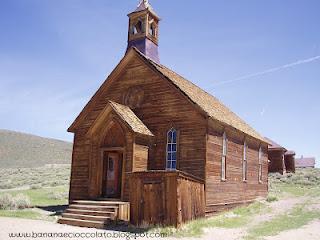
[[172, 149]]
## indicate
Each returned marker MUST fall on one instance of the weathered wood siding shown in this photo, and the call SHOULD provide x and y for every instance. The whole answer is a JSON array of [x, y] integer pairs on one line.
[[276, 158], [165, 198], [140, 159], [162, 107], [233, 190], [79, 180], [290, 163]]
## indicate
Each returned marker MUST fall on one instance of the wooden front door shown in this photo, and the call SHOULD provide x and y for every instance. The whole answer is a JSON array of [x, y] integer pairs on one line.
[[112, 174]]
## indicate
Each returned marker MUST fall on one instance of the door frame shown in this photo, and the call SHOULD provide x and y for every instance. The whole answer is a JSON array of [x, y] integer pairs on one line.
[[121, 151]]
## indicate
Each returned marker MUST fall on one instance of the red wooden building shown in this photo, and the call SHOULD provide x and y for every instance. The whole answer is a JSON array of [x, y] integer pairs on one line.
[[151, 147]]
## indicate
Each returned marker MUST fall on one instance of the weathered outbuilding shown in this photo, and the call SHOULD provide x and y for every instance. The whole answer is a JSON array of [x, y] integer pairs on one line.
[[280, 159]]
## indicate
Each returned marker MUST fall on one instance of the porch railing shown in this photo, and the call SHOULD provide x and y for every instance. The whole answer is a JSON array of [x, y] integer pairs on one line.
[[165, 198]]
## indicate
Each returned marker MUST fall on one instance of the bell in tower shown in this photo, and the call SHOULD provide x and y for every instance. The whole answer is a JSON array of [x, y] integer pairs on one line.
[[143, 30]]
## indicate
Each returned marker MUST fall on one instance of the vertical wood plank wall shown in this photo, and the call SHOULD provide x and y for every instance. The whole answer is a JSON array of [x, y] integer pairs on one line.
[[276, 158], [290, 163], [165, 198], [79, 180], [140, 159]]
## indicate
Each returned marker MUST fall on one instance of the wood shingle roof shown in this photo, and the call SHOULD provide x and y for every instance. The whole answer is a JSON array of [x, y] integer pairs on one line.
[[129, 117], [208, 103]]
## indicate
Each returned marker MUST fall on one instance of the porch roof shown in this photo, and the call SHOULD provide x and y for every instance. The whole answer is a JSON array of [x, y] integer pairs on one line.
[[130, 118], [125, 114]]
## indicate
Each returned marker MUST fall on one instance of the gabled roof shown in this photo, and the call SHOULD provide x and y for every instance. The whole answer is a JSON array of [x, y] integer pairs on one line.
[[275, 146], [128, 116], [125, 114], [143, 5], [305, 162], [208, 104], [290, 153]]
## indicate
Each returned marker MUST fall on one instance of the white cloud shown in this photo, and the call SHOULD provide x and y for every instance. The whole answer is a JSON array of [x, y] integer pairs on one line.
[[271, 70]]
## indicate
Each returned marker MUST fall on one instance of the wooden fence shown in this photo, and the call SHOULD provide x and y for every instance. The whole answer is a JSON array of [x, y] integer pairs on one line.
[[165, 198]]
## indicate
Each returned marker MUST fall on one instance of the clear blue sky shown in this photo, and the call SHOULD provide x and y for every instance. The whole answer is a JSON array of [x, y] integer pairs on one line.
[[55, 54]]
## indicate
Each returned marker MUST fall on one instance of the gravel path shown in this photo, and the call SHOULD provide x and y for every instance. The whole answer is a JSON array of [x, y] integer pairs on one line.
[[308, 232]]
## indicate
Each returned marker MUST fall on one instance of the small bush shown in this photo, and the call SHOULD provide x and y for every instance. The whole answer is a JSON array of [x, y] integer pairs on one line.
[[272, 199], [8, 202], [36, 186], [21, 202]]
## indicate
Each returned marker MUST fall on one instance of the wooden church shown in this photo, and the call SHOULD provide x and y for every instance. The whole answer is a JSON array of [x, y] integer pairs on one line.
[[150, 147]]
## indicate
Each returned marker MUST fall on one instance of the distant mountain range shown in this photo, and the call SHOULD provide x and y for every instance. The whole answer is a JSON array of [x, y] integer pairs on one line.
[[26, 150]]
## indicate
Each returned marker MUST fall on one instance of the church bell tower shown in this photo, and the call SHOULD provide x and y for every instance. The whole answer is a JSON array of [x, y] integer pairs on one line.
[[144, 30]]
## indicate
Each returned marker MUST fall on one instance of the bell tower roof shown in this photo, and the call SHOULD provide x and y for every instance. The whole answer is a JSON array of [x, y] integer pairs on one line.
[[144, 30], [143, 5]]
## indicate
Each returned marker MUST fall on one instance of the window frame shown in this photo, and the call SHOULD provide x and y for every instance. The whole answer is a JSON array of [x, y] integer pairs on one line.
[[172, 143], [223, 173], [245, 162], [260, 165]]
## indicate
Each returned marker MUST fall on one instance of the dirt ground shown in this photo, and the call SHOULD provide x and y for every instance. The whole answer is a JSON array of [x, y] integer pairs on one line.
[[310, 231], [14, 225]]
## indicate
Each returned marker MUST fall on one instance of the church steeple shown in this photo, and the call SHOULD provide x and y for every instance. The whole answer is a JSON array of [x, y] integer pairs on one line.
[[143, 30]]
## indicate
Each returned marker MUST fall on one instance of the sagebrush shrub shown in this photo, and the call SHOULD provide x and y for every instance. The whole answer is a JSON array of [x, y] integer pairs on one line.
[[6, 201], [21, 202], [9, 202]]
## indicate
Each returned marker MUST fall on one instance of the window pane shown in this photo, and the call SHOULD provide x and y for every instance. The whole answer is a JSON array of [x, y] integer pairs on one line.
[[174, 136], [169, 137], [168, 164], [169, 148], [174, 156], [244, 170], [169, 156], [223, 168], [174, 165], [174, 147], [245, 152]]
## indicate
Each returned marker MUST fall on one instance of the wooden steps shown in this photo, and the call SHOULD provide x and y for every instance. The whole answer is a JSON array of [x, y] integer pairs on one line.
[[87, 217], [95, 214], [82, 223]]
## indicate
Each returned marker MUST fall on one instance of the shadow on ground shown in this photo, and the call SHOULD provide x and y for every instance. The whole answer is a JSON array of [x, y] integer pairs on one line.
[[56, 210]]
